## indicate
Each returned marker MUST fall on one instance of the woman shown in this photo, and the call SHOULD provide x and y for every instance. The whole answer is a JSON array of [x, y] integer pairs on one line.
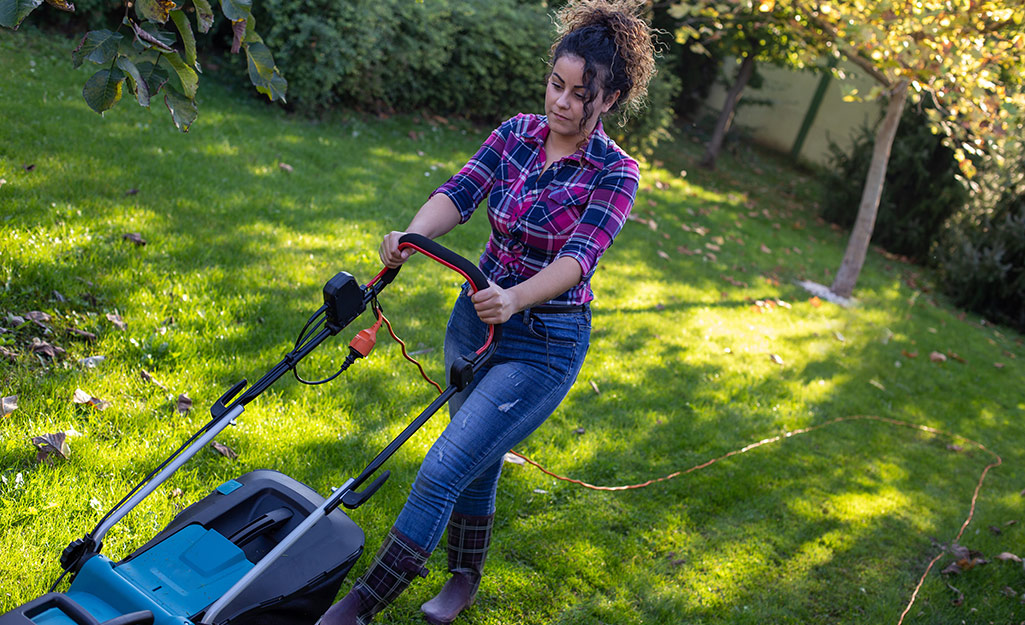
[[558, 191]]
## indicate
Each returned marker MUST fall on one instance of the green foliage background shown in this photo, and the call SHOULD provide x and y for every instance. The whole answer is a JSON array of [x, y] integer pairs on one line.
[[481, 59], [485, 58], [981, 253], [920, 193]]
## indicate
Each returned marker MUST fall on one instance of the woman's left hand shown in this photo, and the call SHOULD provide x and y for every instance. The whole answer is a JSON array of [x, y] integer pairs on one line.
[[495, 305]]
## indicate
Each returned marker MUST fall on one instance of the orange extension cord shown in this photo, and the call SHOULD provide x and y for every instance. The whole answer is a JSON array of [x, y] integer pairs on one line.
[[997, 460]]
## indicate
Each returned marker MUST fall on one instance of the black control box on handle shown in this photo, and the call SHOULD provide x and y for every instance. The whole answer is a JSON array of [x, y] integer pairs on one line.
[[343, 300]]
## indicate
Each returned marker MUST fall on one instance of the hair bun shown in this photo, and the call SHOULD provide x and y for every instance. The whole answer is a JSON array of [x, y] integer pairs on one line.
[[631, 34]]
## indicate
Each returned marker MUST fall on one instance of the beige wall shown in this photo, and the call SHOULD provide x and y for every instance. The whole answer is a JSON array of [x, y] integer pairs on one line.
[[790, 92]]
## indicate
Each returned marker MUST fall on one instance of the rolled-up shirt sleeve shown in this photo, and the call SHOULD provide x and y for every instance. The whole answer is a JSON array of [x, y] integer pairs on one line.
[[468, 188], [604, 216]]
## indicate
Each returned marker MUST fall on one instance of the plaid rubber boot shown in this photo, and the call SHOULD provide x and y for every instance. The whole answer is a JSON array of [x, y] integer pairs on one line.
[[397, 563], [468, 540]]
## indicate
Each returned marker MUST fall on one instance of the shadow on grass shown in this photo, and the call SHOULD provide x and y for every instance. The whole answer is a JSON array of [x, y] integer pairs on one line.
[[785, 533]]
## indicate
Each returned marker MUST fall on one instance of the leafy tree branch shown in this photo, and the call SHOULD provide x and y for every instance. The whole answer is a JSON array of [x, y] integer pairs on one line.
[[153, 50]]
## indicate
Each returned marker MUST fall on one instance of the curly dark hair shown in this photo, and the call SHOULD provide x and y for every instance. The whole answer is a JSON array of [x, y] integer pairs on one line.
[[616, 46]]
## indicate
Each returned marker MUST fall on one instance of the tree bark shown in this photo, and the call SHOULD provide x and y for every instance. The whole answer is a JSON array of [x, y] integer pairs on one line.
[[861, 234], [729, 108]]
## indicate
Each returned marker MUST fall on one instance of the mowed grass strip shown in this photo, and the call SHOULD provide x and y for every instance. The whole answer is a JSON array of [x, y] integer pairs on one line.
[[702, 344]]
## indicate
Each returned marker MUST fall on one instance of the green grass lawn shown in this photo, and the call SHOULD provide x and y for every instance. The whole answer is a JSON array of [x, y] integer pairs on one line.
[[703, 344]]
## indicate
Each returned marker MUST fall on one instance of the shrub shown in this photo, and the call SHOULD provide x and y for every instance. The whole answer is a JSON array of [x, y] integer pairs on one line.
[[981, 254], [920, 193], [644, 130], [483, 58]]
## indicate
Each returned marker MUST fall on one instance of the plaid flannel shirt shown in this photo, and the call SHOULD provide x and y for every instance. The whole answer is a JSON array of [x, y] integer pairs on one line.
[[575, 208]]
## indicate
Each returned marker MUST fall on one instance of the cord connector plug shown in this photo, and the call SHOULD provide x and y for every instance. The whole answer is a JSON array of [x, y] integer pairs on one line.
[[364, 341]]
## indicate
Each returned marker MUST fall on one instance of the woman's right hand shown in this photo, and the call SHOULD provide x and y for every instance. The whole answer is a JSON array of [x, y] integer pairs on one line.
[[389, 251]]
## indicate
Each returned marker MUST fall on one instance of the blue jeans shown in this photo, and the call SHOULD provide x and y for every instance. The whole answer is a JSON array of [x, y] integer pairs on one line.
[[532, 369]]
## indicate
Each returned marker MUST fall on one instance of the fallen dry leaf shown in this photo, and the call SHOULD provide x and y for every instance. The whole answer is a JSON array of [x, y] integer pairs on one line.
[[815, 301], [145, 375], [1008, 556], [224, 450], [285, 167], [132, 192], [42, 347], [937, 357], [999, 365], [513, 459], [765, 249], [8, 405], [82, 334], [579, 431], [967, 559], [908, 354], [8, 354], [118, 322], [594, 386], [959, 598], [39, 318], [134, 237], [776, 359], [662, 254], [48, 444], [90, 362], [82, 397], [1008, 591], [184, 403]]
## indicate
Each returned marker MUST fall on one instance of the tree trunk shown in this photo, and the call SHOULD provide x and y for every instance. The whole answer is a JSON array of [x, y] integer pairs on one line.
[[861, 234], [729, 108]]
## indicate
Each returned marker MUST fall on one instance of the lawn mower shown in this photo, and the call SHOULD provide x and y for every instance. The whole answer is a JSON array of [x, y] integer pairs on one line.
[[263, 548]]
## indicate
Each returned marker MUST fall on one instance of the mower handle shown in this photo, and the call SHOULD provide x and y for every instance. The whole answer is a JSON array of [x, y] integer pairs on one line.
[[443, 255], [438, 252]]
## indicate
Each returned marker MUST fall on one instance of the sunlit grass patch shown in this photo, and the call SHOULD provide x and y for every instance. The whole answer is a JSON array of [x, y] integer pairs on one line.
[[703, 344]]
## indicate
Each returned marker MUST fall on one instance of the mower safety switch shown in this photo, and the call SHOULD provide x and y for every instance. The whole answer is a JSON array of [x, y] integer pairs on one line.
[[343, 297]]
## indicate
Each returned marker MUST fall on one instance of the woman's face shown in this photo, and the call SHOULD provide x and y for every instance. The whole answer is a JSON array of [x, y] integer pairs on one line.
[[566, 95]]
